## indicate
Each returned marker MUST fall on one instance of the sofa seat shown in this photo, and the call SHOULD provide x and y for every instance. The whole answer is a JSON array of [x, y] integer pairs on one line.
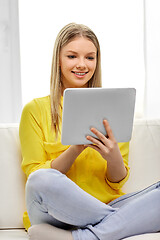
[[149, 236], [15, 234]]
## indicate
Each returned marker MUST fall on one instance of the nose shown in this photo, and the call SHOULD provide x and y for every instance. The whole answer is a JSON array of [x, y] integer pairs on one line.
[[81, 64]]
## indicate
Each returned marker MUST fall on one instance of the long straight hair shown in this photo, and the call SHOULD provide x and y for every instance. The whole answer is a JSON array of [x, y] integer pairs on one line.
[[66, 35]]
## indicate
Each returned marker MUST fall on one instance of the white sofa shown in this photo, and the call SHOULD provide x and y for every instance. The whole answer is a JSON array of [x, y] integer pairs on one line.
[[144, 160]]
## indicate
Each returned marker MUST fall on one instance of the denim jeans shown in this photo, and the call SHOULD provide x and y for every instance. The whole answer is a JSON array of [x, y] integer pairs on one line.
[[53, 198]]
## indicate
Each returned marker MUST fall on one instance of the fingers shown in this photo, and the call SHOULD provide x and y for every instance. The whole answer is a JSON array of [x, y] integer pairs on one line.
[[106, 146], [94, 140], [97, 144], [108, 130], [102, 139], [93, 146], [100, 136]]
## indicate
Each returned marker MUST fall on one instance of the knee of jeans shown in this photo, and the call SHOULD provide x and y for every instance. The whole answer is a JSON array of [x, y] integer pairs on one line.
[[43, 179]]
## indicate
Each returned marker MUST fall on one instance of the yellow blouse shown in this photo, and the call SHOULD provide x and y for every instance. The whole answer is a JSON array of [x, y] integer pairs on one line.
[[39, 148]]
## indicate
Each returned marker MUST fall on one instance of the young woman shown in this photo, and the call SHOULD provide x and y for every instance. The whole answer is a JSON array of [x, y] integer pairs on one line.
[[79, 187]]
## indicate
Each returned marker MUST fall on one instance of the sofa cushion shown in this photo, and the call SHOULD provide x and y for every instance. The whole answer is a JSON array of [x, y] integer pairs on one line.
[[48, 232], [144, 155], [12, 178], [149, 236], [13, 234]]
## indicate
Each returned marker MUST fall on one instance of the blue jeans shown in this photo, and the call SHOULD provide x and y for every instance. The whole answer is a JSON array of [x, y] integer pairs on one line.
[[53, 198]]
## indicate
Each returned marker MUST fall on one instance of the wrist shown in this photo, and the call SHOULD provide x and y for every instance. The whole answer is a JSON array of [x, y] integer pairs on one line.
[[77, 149]]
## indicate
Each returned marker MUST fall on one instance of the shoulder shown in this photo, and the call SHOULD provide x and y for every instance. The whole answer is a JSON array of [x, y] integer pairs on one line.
[[36, 105], [34, 109], [42, 101]]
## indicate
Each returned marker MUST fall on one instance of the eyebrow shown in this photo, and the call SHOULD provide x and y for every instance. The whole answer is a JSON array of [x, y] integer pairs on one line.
[[76, 52]]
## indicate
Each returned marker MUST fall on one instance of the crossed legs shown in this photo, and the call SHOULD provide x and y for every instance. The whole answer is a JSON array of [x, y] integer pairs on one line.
[[53, 198]]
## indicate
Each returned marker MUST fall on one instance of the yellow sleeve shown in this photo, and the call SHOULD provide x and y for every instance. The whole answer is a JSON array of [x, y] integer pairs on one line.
[[31, 139], [124, 149]]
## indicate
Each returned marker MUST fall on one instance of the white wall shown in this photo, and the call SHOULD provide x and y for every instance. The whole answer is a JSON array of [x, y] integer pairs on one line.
[[118, 25], [152, 43], [10, 82], [128, 44]]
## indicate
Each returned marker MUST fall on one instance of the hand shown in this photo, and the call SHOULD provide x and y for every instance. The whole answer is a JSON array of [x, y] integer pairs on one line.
[[106, 146]]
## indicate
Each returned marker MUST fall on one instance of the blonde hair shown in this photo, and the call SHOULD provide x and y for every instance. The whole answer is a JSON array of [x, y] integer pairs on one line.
[[66, 35]]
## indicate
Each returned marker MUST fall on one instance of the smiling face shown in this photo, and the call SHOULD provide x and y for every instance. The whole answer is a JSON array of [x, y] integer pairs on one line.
[[78, 61]]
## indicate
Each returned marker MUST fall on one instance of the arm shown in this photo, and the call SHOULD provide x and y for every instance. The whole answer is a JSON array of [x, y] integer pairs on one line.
[[109, 149], [32, 139], [32, 144], [67, 158]]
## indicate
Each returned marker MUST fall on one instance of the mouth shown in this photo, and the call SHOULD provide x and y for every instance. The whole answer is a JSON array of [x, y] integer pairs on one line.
[[80, 74]]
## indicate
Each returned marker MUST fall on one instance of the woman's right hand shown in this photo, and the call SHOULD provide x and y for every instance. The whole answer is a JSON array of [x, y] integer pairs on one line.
[[64, 162], [79, 148]]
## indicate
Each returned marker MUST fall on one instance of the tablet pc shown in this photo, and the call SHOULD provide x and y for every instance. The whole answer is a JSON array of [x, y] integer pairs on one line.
[[84, 108]]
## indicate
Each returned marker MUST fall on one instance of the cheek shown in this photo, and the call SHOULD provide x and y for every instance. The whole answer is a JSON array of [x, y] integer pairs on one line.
[[63, 68], [92, 66], [67, 65]]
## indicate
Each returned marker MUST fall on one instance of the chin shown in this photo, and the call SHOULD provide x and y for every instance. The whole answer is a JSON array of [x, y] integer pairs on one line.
[[81, 84]]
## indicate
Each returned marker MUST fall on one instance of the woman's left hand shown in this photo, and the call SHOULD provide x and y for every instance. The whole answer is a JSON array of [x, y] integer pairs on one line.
[[106, 146]]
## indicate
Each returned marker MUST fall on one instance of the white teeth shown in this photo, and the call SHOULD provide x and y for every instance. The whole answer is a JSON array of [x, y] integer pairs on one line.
[[81, 74]]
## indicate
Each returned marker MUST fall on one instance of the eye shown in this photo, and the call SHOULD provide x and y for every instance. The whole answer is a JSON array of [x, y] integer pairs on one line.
[[71, 56], [90, 58]]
